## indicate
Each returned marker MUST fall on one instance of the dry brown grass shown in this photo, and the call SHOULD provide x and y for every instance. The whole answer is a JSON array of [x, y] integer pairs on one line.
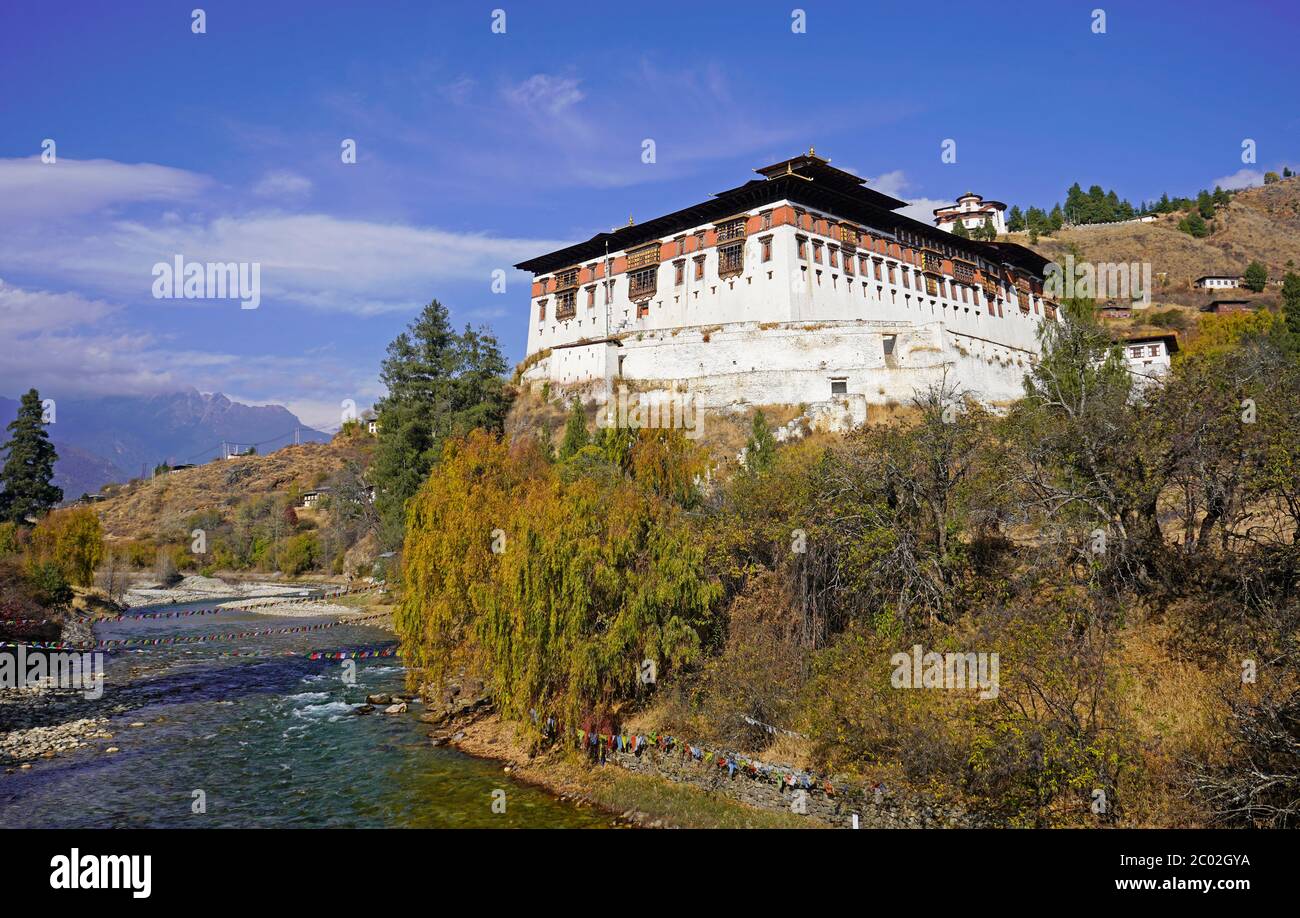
[[163, 504], [1176, 715], [1259, 223]]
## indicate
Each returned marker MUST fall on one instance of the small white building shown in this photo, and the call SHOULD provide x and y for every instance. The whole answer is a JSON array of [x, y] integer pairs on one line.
[[1149, 356], [313, 498], [1218, 282], [971, 211]]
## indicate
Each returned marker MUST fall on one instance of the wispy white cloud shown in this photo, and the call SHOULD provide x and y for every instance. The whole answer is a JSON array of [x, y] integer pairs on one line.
[[33, 190], [282, 184], [316, 260], [59, 343], [895, 184], [26, 311], [544, 93], [1242, 178]]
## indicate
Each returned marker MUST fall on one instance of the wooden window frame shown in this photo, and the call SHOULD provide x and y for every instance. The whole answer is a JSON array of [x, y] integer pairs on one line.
[[731, 258], [643, 283]]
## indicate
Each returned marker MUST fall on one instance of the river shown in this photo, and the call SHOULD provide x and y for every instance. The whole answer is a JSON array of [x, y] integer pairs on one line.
[[248, 741]]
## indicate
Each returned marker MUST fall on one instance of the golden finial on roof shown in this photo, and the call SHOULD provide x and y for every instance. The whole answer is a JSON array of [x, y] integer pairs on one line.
[[812, 151], [630, 221]]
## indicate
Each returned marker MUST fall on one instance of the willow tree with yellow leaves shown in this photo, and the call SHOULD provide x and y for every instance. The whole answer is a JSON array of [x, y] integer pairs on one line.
[[568, 588]]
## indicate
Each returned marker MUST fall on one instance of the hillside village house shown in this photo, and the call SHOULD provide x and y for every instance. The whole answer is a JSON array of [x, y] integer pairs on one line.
[[1115, 311], [971, 210], [1218, 306], [800, 287], [313, 498], [1149, 356], [1218, 282]]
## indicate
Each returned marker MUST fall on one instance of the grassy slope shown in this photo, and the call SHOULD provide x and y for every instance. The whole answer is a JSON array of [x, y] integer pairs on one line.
[[1259, 223], [143, 509]]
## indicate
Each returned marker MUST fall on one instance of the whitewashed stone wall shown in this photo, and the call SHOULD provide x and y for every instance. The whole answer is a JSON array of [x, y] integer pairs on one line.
[[783, 330]]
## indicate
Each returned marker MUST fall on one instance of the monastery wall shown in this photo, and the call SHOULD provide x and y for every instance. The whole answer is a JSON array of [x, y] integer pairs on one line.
[[810, 319]]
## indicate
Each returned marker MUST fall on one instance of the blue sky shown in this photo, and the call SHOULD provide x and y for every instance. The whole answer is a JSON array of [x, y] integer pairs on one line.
[[476, 150]]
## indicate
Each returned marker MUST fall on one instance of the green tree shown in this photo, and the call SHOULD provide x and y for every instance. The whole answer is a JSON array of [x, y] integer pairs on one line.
[[1291, 303], [1015, 219], [29, 464], [760, 450], [70, 540], [440, 384], [987, 232], [1256, 277], [1194, 226], [959, 230], [575, 431], [301, 553]]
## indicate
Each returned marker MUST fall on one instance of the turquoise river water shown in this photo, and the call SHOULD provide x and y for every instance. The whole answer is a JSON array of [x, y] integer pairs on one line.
[[270, 741]]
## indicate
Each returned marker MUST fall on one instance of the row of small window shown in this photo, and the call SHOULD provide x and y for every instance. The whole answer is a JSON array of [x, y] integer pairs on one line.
[[932, 284], [644, 281], [1144, 350]]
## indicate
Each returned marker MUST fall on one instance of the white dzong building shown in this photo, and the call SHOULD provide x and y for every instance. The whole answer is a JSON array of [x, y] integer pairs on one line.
[[800, 287]]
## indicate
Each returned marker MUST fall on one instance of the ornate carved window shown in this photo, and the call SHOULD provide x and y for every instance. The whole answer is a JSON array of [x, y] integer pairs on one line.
[[732, 229], [565, 280], [640, 258], [642, 284], [566, 304], [731, 259]]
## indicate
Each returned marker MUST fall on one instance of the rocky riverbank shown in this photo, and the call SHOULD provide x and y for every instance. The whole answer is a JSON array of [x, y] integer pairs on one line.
[[38, 723], [468, 722], [201, 589], [653, 788]]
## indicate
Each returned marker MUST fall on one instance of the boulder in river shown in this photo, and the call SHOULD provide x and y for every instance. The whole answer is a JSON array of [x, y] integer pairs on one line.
[[380, 698], [399, 708], [363, 709]]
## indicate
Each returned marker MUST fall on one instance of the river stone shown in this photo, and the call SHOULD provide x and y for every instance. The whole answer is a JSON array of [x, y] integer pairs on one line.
[[396, 708], [380, 698], [363, 709]]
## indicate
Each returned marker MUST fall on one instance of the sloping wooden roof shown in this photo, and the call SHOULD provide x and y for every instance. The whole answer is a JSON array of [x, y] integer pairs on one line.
[[808, 180]]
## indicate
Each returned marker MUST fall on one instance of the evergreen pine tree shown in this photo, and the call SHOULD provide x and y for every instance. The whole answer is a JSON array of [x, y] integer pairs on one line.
[[1256, 277], [1291, 303], [29, 465], [440, 384]]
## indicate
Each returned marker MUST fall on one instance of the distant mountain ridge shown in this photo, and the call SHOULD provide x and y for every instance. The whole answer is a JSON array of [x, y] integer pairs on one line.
[[118, 437]]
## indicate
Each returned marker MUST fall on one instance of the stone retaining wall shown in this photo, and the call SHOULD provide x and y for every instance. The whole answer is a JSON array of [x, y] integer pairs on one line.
[[876, 808]]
